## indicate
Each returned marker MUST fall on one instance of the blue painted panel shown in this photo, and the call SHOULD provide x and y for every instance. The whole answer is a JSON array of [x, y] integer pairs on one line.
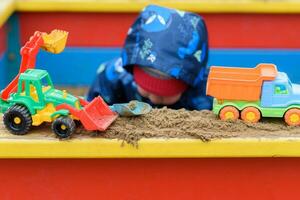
[[13, 47], [77, 66]]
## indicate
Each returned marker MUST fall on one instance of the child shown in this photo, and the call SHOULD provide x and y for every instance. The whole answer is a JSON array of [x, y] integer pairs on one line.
[[163, 62]]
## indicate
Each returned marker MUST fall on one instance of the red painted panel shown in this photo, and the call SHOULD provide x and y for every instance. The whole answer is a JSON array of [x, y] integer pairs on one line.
[[265, 178], [86, 29], [254, 30], [2, 40], [225, 30]]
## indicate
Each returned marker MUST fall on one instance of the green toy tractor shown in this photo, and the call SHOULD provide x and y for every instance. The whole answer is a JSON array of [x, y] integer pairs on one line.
[[31, 99]]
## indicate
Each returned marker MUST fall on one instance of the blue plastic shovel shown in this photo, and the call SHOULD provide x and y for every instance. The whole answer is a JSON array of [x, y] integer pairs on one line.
[[133, 108]]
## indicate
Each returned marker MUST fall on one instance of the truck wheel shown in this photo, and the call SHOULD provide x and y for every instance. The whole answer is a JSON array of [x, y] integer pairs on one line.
[[229, 113], [292, 117], [63, 127], [250, 114], [17, 119]]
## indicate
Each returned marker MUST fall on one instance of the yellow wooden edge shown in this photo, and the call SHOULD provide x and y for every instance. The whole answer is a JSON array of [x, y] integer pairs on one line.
[[204, 6], [7, 7], [149, 148]]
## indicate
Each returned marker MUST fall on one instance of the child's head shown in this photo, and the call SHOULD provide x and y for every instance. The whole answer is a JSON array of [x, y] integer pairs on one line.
[[166, 50], [159, 87]]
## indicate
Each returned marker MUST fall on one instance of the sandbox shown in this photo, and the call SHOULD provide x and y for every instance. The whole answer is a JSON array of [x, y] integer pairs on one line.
[[164, 133], [166, 123]]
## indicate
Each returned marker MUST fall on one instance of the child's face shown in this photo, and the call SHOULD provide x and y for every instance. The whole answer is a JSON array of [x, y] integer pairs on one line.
[[155, 99]]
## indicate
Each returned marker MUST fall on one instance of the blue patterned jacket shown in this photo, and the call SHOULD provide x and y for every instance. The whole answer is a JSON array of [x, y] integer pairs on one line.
[[172, 41]]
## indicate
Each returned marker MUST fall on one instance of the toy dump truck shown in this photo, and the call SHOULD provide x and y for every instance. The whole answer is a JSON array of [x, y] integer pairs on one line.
[[31, 99], [252, 93]]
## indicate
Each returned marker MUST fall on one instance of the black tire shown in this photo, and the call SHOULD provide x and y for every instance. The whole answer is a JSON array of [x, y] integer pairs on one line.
[[63, 127], [17, 119], [78, 123]]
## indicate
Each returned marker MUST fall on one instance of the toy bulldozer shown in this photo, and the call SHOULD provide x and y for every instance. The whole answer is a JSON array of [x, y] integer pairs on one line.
[[31, 99]]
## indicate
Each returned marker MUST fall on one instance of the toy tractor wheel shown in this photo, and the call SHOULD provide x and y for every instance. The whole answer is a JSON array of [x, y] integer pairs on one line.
[[292, 117], [78, 123], [250, 114], [63, 127], [229, 113], [17, 119]]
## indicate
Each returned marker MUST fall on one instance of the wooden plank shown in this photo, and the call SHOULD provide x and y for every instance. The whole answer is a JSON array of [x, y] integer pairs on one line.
[[2, 40], [148, 179], [7, 7], [224, 30], [41, 143], [81, 63], [215, 6]]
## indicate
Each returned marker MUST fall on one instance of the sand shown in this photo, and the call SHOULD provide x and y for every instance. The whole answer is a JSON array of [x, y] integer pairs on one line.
[[203, 125], [168, 123]]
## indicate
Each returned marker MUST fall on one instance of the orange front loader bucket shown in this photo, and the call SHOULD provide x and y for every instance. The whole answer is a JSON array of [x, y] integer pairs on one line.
[[95, 115]]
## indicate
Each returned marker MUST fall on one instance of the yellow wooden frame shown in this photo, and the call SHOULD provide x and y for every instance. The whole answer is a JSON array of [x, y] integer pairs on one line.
[[214, 6], [7, 7], [149, 148], [28, 147]]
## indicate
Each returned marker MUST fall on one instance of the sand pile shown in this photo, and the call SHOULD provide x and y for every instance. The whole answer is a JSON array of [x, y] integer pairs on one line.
[[181, 123], [168, 123]]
